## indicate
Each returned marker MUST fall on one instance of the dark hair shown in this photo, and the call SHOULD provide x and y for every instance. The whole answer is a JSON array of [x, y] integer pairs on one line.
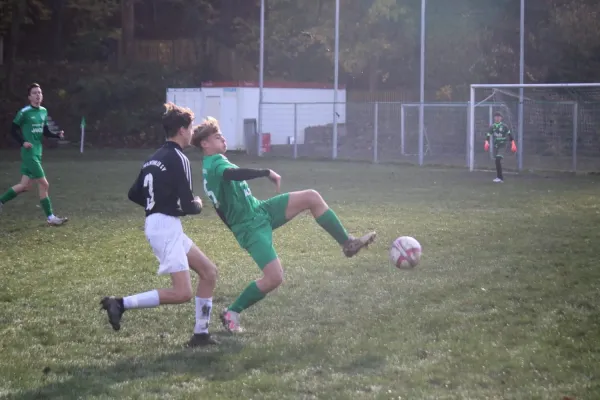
[[176, 117], [32, 86], [497, 114]]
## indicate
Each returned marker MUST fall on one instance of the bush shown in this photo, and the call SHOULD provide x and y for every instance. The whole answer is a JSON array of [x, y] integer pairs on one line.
[[122, 108]]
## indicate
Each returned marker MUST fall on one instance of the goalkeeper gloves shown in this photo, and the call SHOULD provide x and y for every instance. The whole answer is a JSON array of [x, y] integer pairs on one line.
[[486, 146], [513, 147]]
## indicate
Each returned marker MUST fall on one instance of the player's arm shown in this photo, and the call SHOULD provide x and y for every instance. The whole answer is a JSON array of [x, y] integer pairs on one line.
[[488, 135], [136, 192], [15, 132], [48, 133], [511, 138], [244, 174], [509, 134], [189, 205]]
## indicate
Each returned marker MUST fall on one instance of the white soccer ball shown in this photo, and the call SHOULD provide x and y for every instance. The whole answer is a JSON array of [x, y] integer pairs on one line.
[[405, 252]]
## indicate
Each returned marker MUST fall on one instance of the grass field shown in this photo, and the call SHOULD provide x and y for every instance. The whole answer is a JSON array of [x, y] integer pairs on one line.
[[505, 304]]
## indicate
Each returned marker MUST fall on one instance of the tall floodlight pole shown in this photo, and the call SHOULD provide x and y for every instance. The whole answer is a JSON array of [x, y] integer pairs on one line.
[[422, 85], [336, 68], [261, 75], [521, 81]]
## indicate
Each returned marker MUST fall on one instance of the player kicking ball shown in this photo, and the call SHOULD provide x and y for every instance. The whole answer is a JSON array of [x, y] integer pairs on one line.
[[499, 132], [28, 128], [252, 221], [164, 188]]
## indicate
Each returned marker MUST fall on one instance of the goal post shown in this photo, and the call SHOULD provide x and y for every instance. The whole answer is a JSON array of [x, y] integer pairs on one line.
[[557, 128]]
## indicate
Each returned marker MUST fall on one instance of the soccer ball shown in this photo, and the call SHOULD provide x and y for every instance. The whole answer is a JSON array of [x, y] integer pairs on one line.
[[405, 252]]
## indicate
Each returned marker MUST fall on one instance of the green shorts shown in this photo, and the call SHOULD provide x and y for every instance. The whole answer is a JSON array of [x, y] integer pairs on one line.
[[31, 167], [256, 235]]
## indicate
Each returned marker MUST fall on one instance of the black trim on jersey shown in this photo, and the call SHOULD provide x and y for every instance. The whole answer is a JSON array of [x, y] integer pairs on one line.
[[49, 133], [244, 174], [222, 216], [15, 131]]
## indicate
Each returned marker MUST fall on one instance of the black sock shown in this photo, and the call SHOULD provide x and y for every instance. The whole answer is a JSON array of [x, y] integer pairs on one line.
[[499, 168]]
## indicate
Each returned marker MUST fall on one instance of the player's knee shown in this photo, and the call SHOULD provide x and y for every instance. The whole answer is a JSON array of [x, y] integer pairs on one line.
[[314, 197], [43, 185], [210, 274], [274, 278]]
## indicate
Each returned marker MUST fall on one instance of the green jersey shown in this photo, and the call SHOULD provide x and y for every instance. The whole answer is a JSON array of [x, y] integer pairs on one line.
[[232, 200], [500, 132], [31, 120]]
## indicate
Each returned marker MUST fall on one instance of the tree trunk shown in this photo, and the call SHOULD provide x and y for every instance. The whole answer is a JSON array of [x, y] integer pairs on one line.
[[58, 8], [19, 7], [127, 29], [374, 74]]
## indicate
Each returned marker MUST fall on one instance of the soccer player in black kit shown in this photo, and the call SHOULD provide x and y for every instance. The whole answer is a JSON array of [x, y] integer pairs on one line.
[[164, 188]]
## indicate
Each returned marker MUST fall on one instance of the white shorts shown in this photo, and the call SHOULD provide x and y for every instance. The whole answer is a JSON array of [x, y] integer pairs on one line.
[[169, 243]]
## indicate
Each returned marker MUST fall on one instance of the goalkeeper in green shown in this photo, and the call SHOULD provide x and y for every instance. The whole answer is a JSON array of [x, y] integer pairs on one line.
[[499, 133], [253, 221], [28, 128]]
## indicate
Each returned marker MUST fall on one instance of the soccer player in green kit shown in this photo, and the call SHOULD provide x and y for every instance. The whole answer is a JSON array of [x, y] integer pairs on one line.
[[252, 221], [499, 132], [28, 128]]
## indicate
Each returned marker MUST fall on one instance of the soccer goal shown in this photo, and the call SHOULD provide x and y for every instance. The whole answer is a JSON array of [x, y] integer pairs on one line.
[[556, 126]]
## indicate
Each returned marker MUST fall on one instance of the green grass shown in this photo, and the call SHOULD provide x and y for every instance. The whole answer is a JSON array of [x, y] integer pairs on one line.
[[504, 304]]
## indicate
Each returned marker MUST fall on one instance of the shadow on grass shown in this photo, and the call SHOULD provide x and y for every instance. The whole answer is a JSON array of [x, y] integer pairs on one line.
[[223, 363], [212, 363]]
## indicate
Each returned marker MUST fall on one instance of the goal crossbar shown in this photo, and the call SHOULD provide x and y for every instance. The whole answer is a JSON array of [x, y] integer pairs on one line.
[[533, 85]]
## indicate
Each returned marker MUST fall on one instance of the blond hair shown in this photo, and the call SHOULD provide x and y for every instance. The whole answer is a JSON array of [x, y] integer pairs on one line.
[[209, 126]]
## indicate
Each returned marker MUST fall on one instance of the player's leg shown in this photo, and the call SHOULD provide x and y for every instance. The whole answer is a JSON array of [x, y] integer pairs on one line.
[[498, 149], [286, 207], [263, 253], [37, 174], [168, 243], [499, 175], [15, 190], [180, 292], [207, 273]]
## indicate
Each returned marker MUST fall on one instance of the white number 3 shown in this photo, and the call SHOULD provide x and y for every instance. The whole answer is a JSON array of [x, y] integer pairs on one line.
[[149, 183]]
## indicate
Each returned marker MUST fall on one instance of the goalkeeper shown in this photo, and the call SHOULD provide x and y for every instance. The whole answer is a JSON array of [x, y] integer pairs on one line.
[[499, 133]]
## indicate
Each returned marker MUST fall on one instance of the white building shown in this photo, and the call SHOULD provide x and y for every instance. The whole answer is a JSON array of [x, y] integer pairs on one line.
[[288, 108]]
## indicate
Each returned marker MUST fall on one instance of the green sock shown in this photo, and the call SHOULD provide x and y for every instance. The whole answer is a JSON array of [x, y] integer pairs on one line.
[[331, 223], [46, 206], [250, 296], [8, 196]]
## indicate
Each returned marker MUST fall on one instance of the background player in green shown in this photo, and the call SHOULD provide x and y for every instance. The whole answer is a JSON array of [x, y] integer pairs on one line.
[[499, 133], [252, 221], [28, 128]]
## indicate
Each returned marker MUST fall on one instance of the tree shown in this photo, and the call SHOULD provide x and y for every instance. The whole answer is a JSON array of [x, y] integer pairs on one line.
[[18, 16]]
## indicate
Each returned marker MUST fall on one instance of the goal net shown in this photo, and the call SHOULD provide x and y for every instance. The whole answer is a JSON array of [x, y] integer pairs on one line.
[[556, 126]]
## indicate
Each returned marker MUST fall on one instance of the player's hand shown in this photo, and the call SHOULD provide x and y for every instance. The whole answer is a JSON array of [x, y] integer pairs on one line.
[[513, 147], [61, 135], [27, 145], [276, 179], [198, 201], [486, 146]]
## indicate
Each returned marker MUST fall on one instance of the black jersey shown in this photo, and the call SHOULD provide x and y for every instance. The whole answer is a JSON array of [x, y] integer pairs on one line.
[[164, 184]]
